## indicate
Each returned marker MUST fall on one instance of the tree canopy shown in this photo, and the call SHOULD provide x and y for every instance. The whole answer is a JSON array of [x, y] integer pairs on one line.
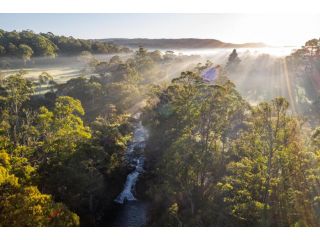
[[27, 44]]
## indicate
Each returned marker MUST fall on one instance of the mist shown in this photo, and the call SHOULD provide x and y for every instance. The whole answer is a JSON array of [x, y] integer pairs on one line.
[[261, 75]]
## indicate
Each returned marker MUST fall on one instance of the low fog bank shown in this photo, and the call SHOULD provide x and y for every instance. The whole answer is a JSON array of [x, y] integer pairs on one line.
[[60, 68], [261, 74]]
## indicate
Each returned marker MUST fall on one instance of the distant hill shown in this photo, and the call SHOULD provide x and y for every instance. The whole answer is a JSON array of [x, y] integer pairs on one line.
[[182, 43]]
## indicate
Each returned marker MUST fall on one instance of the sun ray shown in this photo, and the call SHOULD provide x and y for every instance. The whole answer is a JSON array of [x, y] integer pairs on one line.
[[289, 87]]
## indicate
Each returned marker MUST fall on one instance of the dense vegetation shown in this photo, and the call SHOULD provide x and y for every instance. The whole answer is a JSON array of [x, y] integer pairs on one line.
[[62, 152], [212, 157], [221, 161], [49, 155], [27, 44]]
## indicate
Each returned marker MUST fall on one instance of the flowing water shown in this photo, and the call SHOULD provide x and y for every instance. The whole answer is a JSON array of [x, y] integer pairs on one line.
[[132, 212]]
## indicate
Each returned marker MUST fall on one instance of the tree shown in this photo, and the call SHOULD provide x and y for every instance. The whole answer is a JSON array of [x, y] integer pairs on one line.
[[62, 130], [115, 60], [29, 208], [17, 90], [2, 50], [49, 45], [268, 184], [22, 204], [233, 60], [85, 56], [141, 53], [196, 122], [43, 47], [313, 47], [156, 56], [12, 49], [45, 78], [25, 52]]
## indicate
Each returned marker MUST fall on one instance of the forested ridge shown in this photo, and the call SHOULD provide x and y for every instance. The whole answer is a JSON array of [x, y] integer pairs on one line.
[[212, 157], [27, 44]]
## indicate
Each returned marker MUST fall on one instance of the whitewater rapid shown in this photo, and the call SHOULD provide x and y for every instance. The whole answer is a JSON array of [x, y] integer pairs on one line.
[[135, 157]]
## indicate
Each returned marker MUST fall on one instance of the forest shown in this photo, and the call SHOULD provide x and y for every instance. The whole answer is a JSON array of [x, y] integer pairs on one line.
[[27, 44], [216, 154]]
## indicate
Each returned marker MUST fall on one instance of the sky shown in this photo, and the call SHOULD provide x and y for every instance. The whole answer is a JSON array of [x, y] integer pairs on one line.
[[272, 29]]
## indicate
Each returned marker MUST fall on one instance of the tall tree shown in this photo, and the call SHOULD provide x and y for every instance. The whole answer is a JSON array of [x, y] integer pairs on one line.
[[16, 91]]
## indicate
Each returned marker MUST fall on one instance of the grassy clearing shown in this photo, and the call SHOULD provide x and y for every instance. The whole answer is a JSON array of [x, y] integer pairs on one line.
[[60, 74]]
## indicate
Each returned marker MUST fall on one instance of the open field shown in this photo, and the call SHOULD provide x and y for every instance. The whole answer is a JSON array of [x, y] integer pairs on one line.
[[60, 74]]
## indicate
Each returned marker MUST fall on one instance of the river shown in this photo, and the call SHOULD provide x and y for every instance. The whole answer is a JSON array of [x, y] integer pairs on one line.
[[131, 211]]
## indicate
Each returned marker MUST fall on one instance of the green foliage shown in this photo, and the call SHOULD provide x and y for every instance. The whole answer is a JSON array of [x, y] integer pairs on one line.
[[63, 129], [25, 52], [2, 50], [268, 184], [220, 161], [303, 66], [51, 149], [195, 121], [121, 88], [75, 163], [212, 159], [28, 207], [16, 91], [26, 44], [45, 78], [22, 204]]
